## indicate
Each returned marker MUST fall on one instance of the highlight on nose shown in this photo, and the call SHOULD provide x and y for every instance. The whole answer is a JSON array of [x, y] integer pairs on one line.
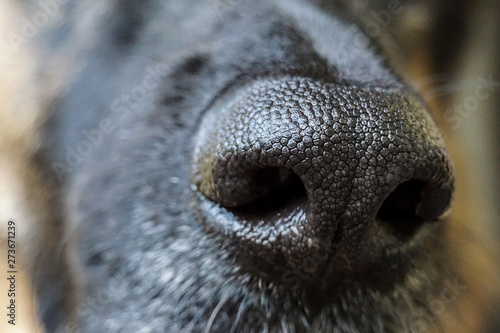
[[282, 167]]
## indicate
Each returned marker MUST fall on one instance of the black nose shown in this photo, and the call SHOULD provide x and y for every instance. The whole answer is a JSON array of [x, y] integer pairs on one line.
[[284, 168]]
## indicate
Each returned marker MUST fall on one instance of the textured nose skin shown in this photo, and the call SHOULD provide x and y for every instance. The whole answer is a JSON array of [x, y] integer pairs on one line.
[[283, 167]]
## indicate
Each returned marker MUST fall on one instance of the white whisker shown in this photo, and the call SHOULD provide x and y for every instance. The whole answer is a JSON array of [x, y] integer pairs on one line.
[[214, 314]]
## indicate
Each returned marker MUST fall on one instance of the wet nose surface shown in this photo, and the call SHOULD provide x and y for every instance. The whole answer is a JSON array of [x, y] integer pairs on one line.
[[288, 167]]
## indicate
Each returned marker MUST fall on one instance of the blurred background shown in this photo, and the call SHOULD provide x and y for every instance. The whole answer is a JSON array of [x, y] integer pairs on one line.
[[448, 49]]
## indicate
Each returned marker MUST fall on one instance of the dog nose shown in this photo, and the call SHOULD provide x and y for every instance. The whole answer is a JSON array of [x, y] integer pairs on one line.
[[283, 168]]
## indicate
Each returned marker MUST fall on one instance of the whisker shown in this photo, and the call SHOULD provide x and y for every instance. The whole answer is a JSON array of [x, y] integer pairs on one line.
[[238, 315], [214, 314]]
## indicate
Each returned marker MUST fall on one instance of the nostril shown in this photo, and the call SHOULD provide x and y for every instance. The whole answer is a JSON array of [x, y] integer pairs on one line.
[[412, 203], [401, 204], [285, 191]]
